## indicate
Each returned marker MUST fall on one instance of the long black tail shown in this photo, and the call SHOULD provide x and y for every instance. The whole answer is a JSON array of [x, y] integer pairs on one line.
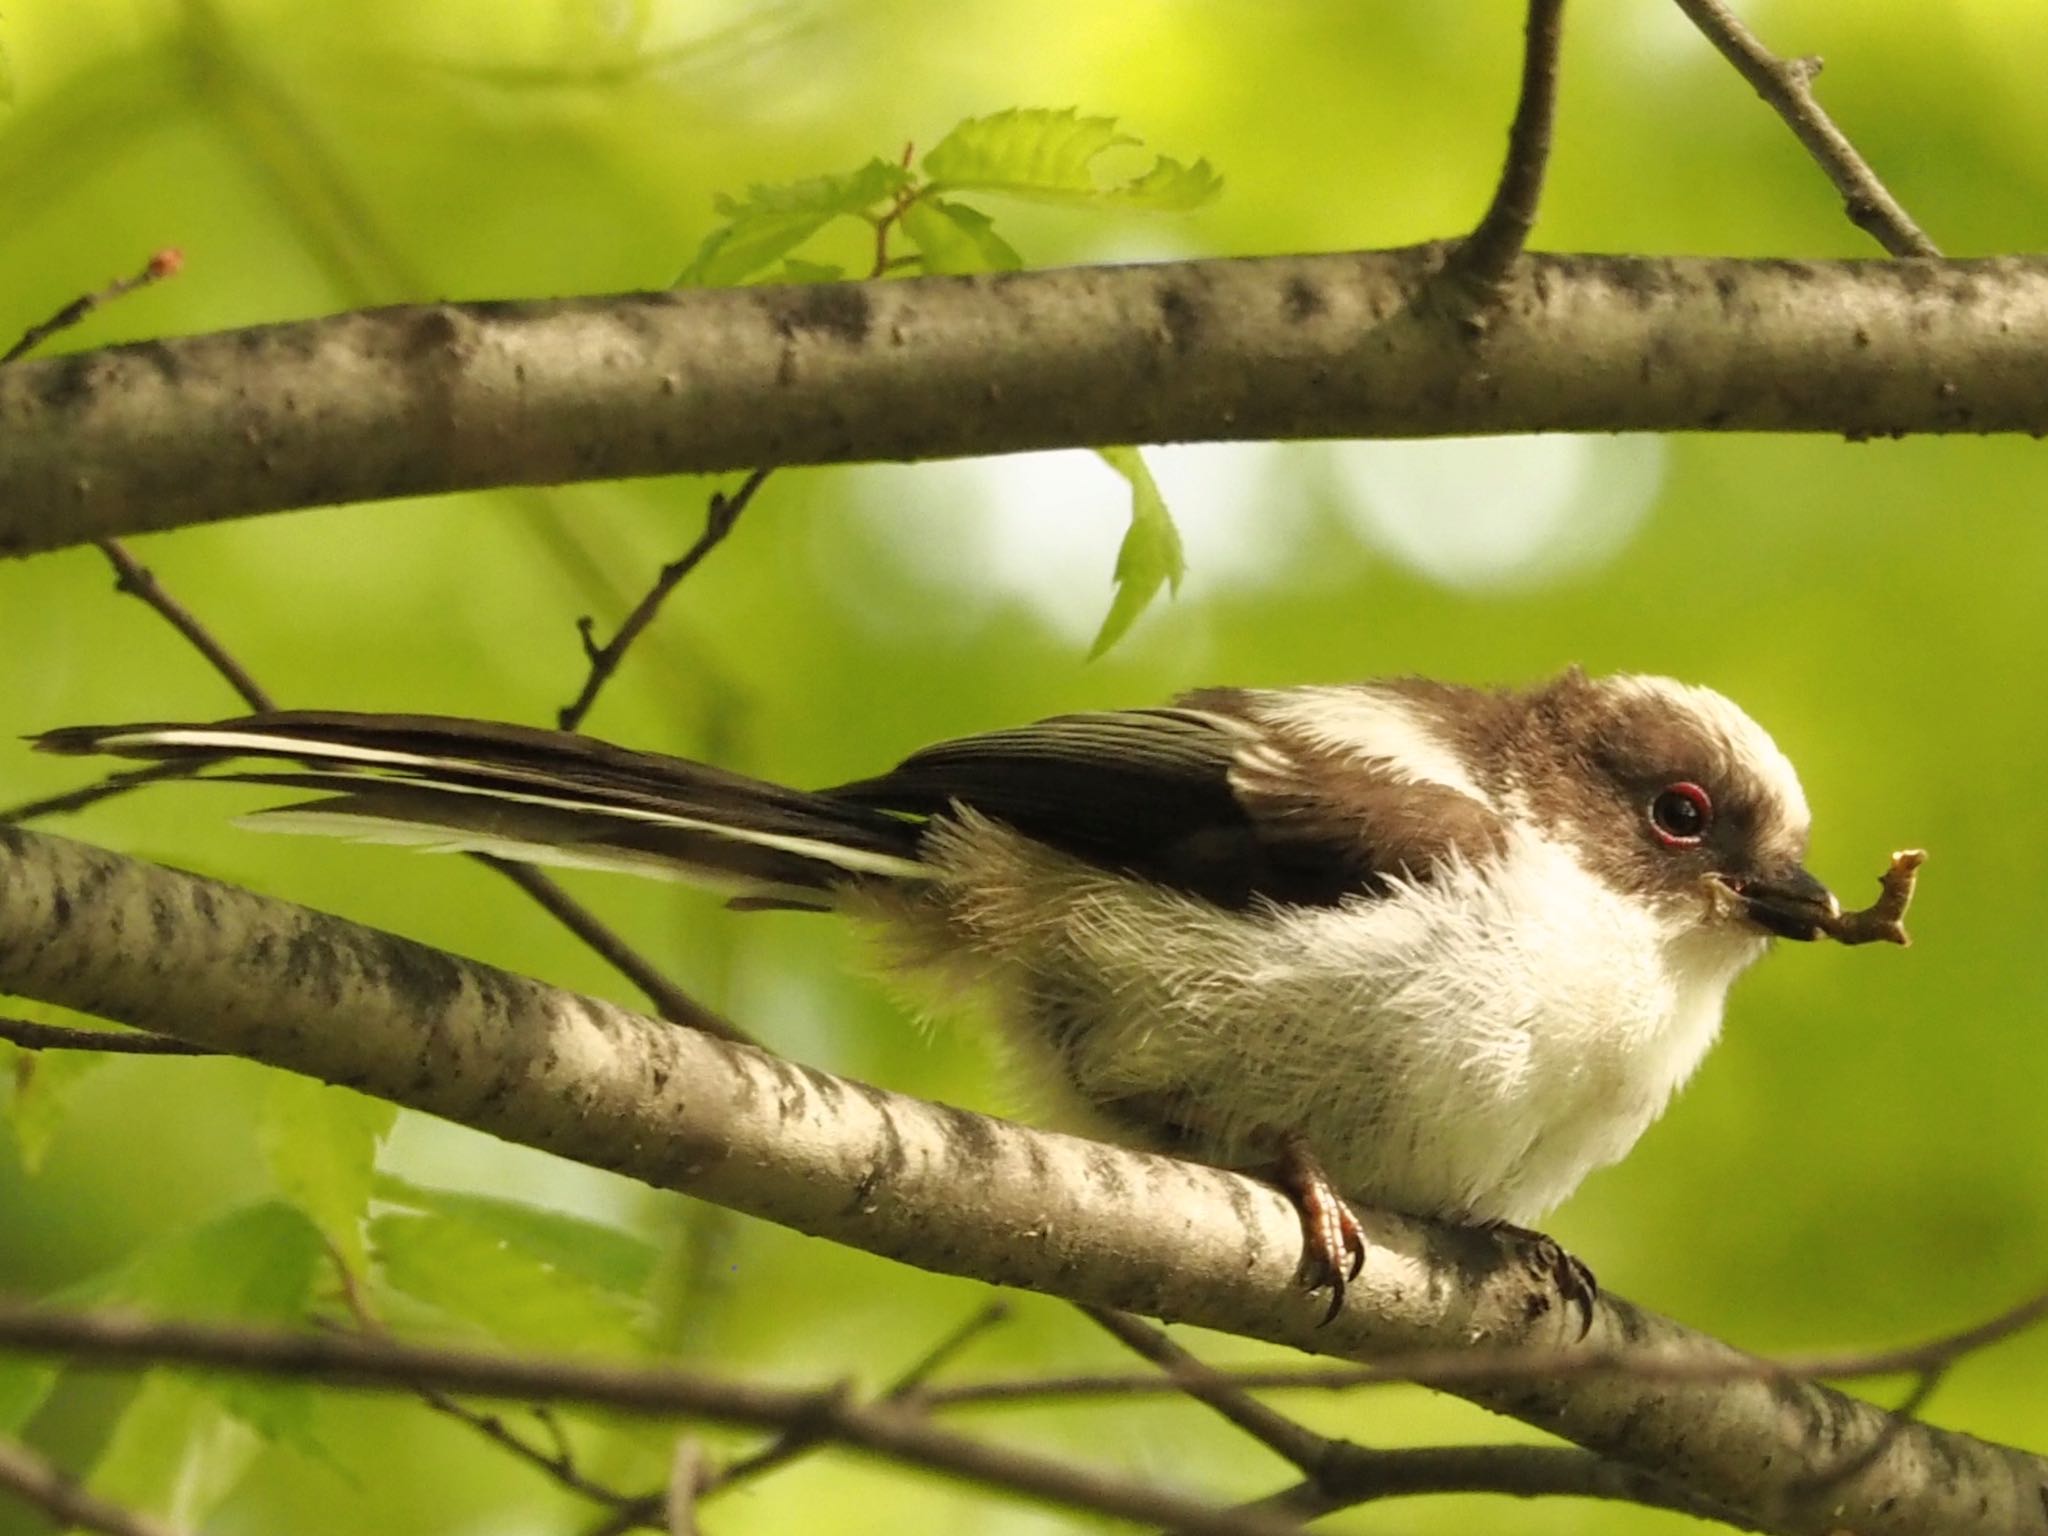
[[544, 797]]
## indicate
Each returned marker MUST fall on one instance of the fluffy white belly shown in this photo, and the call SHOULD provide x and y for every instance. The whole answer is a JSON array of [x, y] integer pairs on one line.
[[1470, 1048]]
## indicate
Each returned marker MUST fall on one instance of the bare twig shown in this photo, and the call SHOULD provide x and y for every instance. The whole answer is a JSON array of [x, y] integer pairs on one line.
[[1786, 85], [670, 1000], [685, 1476], [58, 1037], [1292, 1442], [137, 580], [92, 794], [888, 1431], [38, 1482], [719, 519], [163, 264], [1449, 1367], [1480, 262], [1357, 1475], [793, 1442]]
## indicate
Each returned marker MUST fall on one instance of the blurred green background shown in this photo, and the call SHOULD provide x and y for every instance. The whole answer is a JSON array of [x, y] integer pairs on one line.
[[1860, 1162]]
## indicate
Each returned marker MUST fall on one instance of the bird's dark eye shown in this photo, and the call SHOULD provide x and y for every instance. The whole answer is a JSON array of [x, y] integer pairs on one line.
[[1680, 815]]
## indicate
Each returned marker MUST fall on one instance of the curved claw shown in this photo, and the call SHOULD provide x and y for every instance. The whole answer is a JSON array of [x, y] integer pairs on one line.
[[1332, 1242], [1546, 1256]]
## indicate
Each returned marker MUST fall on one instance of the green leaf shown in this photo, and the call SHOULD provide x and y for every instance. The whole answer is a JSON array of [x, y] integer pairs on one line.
[[177, 1452], [1050, 156], [1151, 555], [256, 1264], [43, 1082], [952, 237], [321, 1143], [475, 1276], [797, 270], [613, 1260], [772, 221]]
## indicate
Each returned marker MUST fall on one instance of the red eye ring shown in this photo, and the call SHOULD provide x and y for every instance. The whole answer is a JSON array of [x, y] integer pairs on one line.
[[1681, 814]]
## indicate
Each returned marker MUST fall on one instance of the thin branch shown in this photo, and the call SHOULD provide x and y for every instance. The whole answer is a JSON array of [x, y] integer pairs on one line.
[[1294, 1443], [1786, 85], [165, 263], [58, 1037], [793, 1442], [720, 518], [1360, 1476], [137, 580], [92, 794], [1450, 1367], [38, 1482], [670, 1000], [1481, 261], [125, 1341]]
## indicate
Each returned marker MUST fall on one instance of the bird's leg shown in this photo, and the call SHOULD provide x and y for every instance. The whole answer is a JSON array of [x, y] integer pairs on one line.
[[1547, 1257], [1332, 1242]]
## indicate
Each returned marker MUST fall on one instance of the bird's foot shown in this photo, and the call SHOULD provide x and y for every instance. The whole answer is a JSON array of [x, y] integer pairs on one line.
[[1332, 1242], [1546, 1257]]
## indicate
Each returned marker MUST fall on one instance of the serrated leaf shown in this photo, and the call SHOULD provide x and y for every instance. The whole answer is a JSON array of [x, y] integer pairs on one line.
[[1169, 187], [772, 221], [477, 1277], [610, 1259], [951, 237], [1150, 556], [1050, 156], [321, 1144]]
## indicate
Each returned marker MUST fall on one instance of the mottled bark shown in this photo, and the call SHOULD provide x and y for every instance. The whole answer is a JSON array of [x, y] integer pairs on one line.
[[415, 401], [948, 1190]]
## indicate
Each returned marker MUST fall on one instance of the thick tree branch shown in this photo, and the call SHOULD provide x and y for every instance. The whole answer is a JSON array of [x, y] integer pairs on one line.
[[941, 1188], [403, 402]]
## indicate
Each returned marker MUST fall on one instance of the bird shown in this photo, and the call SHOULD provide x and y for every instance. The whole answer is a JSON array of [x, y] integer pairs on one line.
[[1428, 947]]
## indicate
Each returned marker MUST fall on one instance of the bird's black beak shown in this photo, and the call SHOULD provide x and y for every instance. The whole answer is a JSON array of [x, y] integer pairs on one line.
[[1788, 902]]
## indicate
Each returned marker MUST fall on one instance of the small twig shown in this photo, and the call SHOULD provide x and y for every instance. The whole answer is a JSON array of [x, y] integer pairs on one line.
[[1787, 86], [132, 577], [558, 1463], [1884, 920], [137, 580], [163, 264], [1449, 1367], [885, 1430], [39, 1482], [797, 1440], [1362, 1476], [58, 1037], [670, 1000], [719, 519], [903, 1389], [92, 794], [1480, 263], [1294, 1443], [685, 1476]]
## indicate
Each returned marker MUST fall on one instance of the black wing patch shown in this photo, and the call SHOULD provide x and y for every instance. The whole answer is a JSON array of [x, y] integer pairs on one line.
[[1202, 799]]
